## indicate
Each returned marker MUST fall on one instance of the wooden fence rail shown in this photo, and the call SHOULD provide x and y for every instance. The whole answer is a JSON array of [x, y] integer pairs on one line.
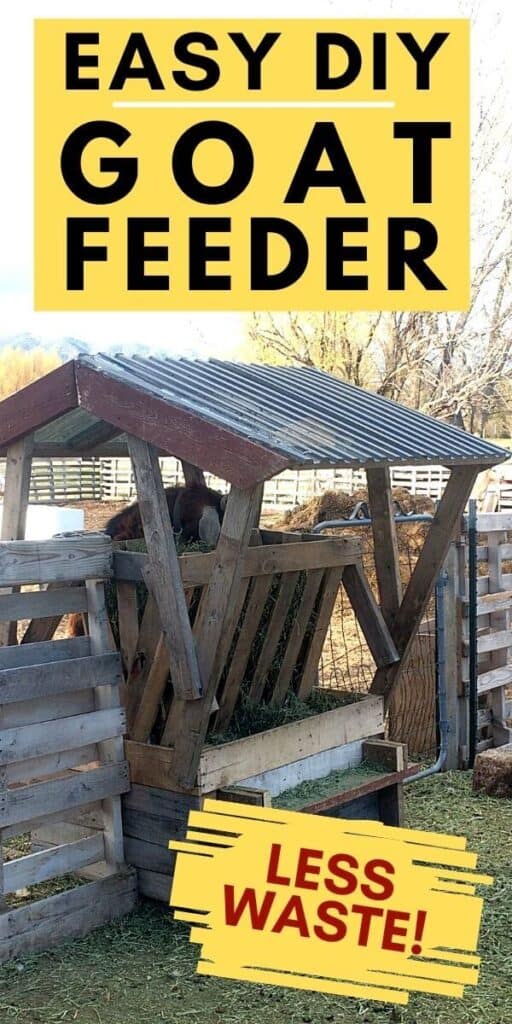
[[111, 479]]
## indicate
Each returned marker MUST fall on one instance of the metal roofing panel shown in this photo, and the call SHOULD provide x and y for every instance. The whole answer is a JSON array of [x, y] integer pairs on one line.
[[311, 417]]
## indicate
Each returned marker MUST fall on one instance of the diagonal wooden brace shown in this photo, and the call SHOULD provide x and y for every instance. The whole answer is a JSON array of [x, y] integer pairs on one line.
[[426, 570], [369, 615], [165, 570], [215, 618]]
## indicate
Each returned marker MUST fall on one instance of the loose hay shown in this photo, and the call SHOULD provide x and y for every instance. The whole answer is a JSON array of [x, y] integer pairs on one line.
[[142, 968]]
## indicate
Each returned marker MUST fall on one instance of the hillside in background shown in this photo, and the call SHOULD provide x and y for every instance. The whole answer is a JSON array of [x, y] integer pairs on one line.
[[69, 348]]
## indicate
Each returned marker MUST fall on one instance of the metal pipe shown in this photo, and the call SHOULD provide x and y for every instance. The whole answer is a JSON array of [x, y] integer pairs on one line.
[[472, 609], [442, 699], [335, 524]]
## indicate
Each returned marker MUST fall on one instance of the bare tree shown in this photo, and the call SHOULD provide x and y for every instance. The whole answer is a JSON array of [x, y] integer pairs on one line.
[[457, 366]]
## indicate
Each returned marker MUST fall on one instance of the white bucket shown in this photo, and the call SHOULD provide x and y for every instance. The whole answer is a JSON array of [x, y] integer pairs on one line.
[[43, 521]]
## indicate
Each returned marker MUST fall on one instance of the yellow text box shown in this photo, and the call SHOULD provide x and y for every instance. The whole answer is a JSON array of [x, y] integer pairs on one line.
[[328, 124], [353, 908]]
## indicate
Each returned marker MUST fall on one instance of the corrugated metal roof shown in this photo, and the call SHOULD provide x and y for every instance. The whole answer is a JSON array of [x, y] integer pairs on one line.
[[306, 415]]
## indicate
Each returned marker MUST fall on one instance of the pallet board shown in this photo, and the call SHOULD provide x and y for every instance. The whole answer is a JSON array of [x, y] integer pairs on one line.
[[232, 762], [61, 752]]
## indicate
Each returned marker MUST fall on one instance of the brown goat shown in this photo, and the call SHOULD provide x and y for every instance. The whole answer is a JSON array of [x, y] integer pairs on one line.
[[195, 511]]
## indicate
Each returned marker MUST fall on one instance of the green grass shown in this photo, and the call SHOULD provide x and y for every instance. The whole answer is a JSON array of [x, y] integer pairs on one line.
[[141, 969]]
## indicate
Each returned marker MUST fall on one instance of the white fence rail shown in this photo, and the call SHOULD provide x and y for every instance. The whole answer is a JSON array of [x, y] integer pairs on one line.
[[60, 480]]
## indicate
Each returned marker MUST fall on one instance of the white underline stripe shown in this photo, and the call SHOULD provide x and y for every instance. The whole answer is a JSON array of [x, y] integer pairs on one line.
[[268, 104]]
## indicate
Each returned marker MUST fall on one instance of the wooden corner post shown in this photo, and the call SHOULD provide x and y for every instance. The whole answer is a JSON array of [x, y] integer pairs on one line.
[[217, 609], [165, 574], [18, 466], [429, 564], [385, 544]]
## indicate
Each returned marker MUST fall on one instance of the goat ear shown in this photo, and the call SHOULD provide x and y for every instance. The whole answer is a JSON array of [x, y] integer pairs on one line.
[[209, 526]]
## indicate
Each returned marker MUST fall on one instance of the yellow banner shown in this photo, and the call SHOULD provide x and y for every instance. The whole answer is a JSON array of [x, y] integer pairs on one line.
[[252, 164], [353, 908]]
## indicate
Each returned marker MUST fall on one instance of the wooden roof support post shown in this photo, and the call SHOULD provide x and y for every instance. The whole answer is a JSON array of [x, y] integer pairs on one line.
[[431, 559], [192, 474], [385, 544], [18, 467], [165, 572], [214, 619]]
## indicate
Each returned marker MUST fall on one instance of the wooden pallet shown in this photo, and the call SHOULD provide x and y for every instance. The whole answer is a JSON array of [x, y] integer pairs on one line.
[[61, 750]]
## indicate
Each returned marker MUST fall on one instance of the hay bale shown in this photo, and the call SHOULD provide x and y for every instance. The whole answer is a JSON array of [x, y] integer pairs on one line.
[[339, 505], [493, 771]]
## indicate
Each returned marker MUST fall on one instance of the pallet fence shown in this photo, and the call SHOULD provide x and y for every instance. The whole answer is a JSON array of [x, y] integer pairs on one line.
[[61, 750], [493, 638]]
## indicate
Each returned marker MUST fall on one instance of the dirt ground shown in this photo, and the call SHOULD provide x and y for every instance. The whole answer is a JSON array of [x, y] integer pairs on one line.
[[97, 513], [141, 970]]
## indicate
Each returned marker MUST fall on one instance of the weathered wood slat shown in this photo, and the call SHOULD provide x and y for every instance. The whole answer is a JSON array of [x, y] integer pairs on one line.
[[59, 860], [271, 559], [83, 557], [153, 829], [225, 642], [153, 885], [165, 572], [26, 803], [85, 814], [496, 641], [43, 738], [498, 621], [58, 833], [275, 627], [48, 652], [152, 693], [231, 623], [37, 604], [491, 521], [330, 588], [17, 484], [47, 709], [386, 753], [45, 680], [35, 769], [296, 638], [190, 720], [488, 604], [44, 628], [245, 795], [264, 560], [233, 762], [430, 561], [110, 750], [128, 621], [369, 615], [149, 636], [385, 544], [257, 600], [496, 677], [162, 803], [152, 765], [150, 856], [68, 914]]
